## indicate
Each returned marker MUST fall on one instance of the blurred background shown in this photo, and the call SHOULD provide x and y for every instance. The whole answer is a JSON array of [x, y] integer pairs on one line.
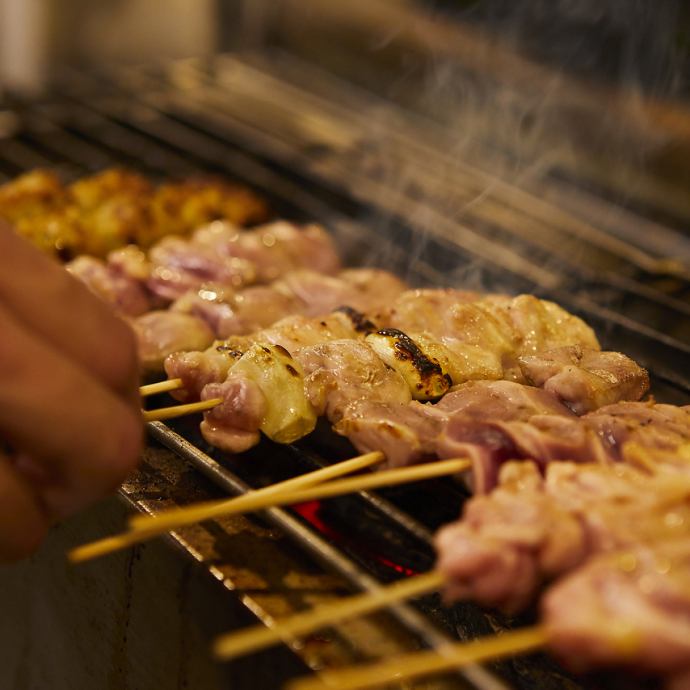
[[578, 88]]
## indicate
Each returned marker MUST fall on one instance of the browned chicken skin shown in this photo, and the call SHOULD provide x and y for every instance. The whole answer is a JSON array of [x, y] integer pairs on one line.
[[97, 214]]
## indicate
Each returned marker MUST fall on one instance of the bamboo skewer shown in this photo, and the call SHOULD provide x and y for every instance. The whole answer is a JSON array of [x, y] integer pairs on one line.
[[178, 517], [258, 500], [160, 387], [253, 502], [445, 658], [146, 527], [180, 410], [247, 641]]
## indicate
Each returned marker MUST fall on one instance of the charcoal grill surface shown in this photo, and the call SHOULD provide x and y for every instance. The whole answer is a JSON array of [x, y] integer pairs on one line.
[[312, 156]]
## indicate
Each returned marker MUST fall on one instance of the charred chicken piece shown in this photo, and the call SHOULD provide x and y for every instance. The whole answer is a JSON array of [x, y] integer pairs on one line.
[[115, 207], [272, 379], [198, 369], [422, 373], [484, 337]]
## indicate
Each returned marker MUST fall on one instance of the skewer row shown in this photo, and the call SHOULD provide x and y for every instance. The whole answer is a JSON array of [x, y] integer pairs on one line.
[[142, 528]]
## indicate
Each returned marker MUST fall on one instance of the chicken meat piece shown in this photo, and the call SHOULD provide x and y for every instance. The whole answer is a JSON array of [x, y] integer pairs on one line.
[[283, 395], [584, 379], [409, 434], [128, 296], [179, 332], [483, 337], [230, 312], [627, 609], [532, 529], [177, 266], [181, 207], [198, 369], [33, 193], [637, 433], [225, 255], [273, 249], [237, 312]]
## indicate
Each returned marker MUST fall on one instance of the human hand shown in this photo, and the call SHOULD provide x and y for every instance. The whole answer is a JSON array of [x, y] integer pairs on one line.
[[70, 421]]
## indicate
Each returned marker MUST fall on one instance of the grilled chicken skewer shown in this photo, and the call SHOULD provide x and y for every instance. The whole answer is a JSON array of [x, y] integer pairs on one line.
[[99, 213], [532, 529], [624, 609], [660, 439], [307, 368], [199, 317], [218, 254], [472, 336], [281, 395]]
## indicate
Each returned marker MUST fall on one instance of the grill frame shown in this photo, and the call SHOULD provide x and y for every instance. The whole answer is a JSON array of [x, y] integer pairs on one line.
[[135, 116]]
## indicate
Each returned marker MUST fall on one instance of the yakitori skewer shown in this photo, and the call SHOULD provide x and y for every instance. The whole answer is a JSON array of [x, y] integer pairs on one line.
[[253, 502], [523, 498], [423, 663], [259, 637], [301, 370]]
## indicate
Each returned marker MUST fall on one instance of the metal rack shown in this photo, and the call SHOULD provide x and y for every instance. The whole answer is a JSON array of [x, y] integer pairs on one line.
[[450, 223]]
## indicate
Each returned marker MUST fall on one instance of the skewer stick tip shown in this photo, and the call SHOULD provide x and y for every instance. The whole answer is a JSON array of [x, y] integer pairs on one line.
[[160, 387], [102, 547]]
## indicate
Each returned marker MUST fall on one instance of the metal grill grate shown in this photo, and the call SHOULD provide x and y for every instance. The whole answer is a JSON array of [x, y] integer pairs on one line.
[[312, 156]]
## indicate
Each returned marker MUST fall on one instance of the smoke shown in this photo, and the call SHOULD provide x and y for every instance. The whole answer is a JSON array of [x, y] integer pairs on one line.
[[527, 126], [527, 96]]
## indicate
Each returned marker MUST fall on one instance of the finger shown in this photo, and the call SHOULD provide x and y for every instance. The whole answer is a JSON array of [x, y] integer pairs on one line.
[[85, 437], [23, 523], [43, 296]]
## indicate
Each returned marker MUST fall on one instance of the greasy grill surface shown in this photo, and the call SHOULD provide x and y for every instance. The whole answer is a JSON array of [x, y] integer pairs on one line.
[[221, 118]]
